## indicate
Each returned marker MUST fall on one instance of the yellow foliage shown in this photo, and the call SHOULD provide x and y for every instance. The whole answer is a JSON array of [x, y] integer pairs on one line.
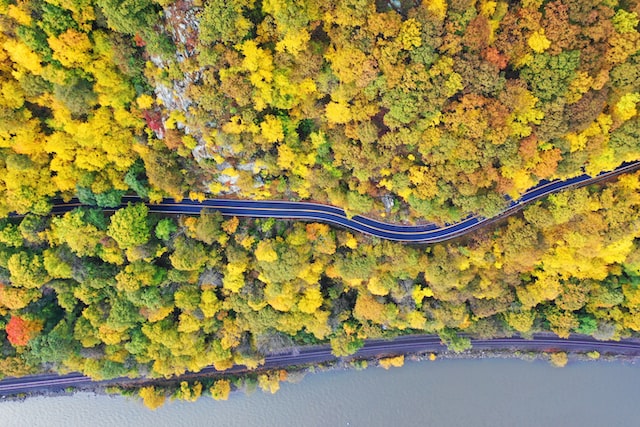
[[310, 301], [617, 251], [538, 41], [286, 157], [522, 180], [626, 107], [577, 142], [294, 42], [221, 390], [349, 64], [256, 59], [23, 56], [416, 320], [272, 129], [389, 362], [259, 63], [409, 36], [632, 320], [453, 84], [189, 142], [311, 274], [282, 298], [209, 303], [110, 336], [337, 112], [265, 253], [368, 308], [197, 196], [424, 180], [594, 355], [190, 393], [17, 13], [558, 359], [151, 398], [317, 139], [144, 101], [579, 86], [247, 242], [216, 187], [605, 160], [625, 22], [419, 293], [12, 95], [117, 354], [235, 126], [524, 112], [487, 8], [174, 118], [351, 242], [159, 313], [318, 324], [234, 279], [269, 382], [188, 323], [231, 225], [438, 7], [377, 287], [16, 298], [72, 48], [547, 287], [521, 321]]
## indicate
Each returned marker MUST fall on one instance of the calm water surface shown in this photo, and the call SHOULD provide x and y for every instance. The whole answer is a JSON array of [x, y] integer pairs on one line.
[[442, 393]]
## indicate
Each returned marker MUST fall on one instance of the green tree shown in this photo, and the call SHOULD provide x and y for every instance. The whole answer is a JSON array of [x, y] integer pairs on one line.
[[223, 21], [27, 270], [188, 254], [165, 228], [130, 226], [550, 76]]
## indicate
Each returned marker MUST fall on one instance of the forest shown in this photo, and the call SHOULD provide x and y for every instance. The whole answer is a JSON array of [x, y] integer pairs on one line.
[[406, 111]]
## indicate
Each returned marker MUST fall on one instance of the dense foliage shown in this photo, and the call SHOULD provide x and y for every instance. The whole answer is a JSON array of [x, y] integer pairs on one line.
[[136, 293], [412, 110], [427, 109], [442, 107]]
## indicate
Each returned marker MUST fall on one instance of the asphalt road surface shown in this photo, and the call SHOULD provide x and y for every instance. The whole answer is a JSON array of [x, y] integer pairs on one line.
[[311, 355], [425, 233]]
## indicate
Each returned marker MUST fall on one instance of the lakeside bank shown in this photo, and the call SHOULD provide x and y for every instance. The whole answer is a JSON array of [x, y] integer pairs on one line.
[[491, 392]]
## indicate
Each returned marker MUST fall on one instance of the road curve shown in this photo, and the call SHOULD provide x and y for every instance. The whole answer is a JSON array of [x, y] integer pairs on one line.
[[411, 344], [425, 233]]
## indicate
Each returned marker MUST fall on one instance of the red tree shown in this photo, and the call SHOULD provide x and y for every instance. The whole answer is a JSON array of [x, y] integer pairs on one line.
[[20, 331]]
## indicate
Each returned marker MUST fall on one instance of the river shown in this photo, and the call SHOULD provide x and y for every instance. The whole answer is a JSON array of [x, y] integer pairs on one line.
[[490, 392]]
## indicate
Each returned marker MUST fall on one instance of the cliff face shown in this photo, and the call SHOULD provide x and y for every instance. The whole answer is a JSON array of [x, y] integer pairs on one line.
[[173, 83]]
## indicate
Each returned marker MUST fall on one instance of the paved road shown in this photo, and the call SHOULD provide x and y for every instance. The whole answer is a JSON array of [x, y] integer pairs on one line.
[[426, 233], [373, 348]]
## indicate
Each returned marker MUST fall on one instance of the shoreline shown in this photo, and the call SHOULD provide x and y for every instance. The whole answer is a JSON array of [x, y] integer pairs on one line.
[[297, 373]]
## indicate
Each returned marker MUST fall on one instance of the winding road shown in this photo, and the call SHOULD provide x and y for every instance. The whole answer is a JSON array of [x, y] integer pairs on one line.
[[411, 344], [426, 233]]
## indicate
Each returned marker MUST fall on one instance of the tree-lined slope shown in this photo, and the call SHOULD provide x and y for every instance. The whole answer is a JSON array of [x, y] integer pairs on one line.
[[413, 110], [429, 109], [137, 293]]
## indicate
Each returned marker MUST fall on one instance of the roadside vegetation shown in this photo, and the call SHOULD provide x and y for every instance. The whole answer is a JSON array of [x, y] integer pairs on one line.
[[412, 111], [140, 294]]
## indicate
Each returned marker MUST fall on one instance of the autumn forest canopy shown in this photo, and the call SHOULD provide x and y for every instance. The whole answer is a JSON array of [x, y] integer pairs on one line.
[[403, 110]]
